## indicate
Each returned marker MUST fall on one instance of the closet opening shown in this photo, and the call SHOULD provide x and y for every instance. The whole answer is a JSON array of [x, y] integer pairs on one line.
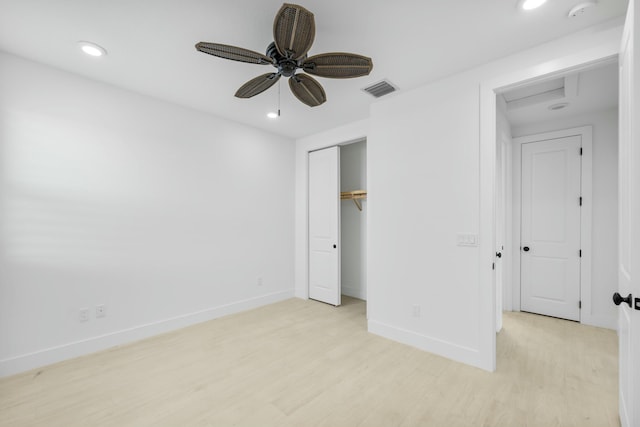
[[338, 224], [353, 219]]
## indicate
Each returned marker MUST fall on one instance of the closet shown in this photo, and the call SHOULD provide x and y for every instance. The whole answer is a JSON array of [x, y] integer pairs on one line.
[[338, 223]]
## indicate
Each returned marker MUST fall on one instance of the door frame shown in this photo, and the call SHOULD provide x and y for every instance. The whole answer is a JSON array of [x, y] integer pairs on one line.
[[586, 191], [506, 148], [345, 135], [488, 133], [308, 282]]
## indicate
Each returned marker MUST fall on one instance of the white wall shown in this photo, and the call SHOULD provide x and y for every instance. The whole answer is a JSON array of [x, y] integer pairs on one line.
[[604, 273], [423, 166], [166, 215], [353, 226]]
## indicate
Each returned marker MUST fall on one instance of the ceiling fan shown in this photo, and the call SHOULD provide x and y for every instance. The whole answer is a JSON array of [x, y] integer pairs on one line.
[[293, 33]]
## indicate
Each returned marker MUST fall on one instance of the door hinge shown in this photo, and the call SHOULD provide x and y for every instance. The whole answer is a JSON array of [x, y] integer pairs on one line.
[[581, 151], [579, 304], [493, 266], [580, 253], [580, 200]]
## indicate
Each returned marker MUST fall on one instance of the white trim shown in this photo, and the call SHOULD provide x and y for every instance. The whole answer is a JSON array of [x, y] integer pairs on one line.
[[601, 321], [354, 292], [586, 173], [70, 350], [503, 142], [508, 305], [487, 231], [516, 203], [442, 348], [488, 90]]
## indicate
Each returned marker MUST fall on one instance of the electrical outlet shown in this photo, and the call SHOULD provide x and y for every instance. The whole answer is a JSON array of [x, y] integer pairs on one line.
[[416, 311], [259, 281], [83, 315], [101, 310]]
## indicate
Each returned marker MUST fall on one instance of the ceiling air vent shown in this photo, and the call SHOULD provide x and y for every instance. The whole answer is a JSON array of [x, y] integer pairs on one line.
[[379, 89]]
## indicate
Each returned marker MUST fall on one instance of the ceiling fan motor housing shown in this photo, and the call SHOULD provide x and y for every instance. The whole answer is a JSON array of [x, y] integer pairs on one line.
[[286, 67]]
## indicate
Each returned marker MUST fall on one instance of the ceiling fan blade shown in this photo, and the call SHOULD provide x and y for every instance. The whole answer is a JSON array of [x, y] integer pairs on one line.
[[293, 31], [338, 65], [233, 52], [307, 90], [257, 85]]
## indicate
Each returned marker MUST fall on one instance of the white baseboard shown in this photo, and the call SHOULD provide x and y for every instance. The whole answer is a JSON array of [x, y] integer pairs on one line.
[[442, 348], [608, 322], [354, 292], [70, 350]]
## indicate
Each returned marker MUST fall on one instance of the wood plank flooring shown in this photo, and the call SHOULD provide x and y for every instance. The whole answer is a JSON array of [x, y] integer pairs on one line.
[[303, 363]]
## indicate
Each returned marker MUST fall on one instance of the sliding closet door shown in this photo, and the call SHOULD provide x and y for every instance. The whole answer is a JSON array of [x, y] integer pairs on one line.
[[324, 225]]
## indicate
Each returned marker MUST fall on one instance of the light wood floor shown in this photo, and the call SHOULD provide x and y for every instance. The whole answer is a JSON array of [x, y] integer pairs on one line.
[[302, 363]]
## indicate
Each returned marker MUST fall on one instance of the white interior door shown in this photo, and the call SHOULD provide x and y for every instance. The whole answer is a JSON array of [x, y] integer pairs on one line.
[[550, 227], [324, 225], [629, 228]]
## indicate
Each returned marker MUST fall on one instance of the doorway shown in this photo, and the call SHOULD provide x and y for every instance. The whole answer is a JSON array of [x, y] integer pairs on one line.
[[337, 223], [353, 219], [563, 142]]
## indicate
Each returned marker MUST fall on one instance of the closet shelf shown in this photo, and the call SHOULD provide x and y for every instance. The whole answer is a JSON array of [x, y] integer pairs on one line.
[[355, 195]]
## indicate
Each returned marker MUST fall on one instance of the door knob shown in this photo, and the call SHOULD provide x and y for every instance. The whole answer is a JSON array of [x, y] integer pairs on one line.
[[526, 249], [499, 254], [617, 299]]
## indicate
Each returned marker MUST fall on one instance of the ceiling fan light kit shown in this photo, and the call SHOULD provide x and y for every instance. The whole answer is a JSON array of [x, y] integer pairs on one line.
[[293, 33]]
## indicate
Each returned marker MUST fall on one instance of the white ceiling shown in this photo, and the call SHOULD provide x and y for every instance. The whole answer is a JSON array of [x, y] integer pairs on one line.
[[587, 91], [151, 46]]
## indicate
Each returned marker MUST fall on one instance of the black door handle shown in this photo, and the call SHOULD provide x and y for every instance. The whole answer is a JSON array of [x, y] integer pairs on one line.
[[526, 249], [617, 299], [499, 254]]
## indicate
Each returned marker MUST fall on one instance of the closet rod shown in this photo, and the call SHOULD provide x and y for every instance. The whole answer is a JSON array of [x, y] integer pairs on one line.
[[355, 195]]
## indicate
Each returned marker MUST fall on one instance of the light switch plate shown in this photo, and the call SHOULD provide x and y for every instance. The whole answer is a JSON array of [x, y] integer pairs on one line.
[[465, 239]]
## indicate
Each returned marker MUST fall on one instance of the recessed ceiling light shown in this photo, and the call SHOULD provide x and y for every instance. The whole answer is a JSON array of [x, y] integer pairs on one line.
[[92, 49], [559, 106], [272, 115], [532, 4]]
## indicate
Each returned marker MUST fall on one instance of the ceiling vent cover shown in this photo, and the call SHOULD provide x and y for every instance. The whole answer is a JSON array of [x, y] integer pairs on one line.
[[379, 89]]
